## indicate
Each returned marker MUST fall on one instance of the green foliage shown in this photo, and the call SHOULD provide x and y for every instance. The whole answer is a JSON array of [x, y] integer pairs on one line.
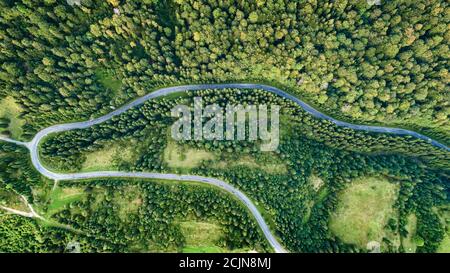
[[372, 63], [297, 212], [153, 223], [16, 171]]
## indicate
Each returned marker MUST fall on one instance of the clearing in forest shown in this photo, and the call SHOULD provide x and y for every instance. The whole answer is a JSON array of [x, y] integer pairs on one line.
[[444, 213], [105, 159], [10, 110], [201, 237], [177, 156], [364, 209], [60, 197], [128, 201], [411, 241], [273, 167]]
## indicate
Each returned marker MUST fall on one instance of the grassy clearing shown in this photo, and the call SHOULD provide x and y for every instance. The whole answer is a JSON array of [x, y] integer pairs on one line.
[[61, 197], [363, 211], [204, 237], [11, 110], [108, 80], [12, 200], [201, 237], [182, 157], [409, 244], [105, 158], [444, 213], [248, 161], [444, 247], [128, 201], [316, 182]]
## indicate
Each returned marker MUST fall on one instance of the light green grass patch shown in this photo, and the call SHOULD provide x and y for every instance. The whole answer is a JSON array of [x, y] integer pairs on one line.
[[316, 182], [202, 249], [108, 80], [363, 211], [60, 197], [248, 161], [409, 244], [11, 110], [129, 201], [10, 199], [204, 237], [444, 247], [201, 237], [444, 213], [104, 159], [177, 156]]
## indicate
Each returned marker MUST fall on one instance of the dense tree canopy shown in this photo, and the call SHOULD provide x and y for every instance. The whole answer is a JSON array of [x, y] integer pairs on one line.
[[372, 63]]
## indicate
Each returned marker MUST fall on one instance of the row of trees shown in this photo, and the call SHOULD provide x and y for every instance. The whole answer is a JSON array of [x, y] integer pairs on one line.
[[151, 122]]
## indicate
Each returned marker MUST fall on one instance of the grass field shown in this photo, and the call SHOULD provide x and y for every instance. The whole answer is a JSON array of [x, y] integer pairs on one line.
[[104, 159], [60, 197], [11, 110], [316, 182], [12, 200], [128, 201], [201, 237], [444, 213], [444, 247], [187, 158], [109, 81], [248, 161], [363, 211], [409, 244]]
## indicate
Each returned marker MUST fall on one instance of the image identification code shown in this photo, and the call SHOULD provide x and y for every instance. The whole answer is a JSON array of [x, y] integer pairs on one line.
[[232, 263]]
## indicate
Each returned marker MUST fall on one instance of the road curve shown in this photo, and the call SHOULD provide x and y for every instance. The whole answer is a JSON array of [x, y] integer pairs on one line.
[[34, 144], [184, 88]]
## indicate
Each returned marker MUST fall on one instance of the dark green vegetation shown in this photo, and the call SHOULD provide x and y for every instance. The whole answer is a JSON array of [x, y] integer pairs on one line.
[[16, 172], [381, 63], [115, 215], [370, 64], [294, 207], [142, 216], [150, 124]]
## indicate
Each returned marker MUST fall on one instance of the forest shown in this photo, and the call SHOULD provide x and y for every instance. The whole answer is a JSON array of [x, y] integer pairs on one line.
[[369, 63], [114, 215], [308, 148], [63, 61]]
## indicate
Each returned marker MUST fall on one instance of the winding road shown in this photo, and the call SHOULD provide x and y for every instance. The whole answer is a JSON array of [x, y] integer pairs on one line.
[[34, 144]]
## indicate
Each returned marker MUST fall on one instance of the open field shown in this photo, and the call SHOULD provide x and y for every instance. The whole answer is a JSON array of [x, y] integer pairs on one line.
[[204, 237], [248, 161], [181, 157], [60, 197], [129, 201], [177, 156], [444, 247], [12, 200], [316, 182], [409, 243], [11, 110], [201, 237], [108, 80], [104, 159], [363, 211]]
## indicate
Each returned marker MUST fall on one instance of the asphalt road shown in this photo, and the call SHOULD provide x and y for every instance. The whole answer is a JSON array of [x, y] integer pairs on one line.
[[34, 144]]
